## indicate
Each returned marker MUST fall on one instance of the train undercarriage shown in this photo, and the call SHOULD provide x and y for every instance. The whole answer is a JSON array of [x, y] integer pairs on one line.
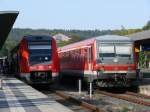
[[38, 77], [113, 79]]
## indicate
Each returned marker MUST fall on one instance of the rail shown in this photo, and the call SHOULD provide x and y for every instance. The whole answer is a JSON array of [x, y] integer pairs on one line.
[[138, 95], [93, 108], [133, 100]]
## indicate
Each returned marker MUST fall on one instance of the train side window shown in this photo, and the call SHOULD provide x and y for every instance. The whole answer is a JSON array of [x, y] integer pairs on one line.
[[77, 58], [85, 54], [80, 55], [74, 56]]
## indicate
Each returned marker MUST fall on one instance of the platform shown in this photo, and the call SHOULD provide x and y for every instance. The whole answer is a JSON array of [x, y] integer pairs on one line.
[[16, 96], [144, 86]]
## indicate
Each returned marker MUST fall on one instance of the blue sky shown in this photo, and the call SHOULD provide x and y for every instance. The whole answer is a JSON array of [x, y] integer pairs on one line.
[[79, 14]]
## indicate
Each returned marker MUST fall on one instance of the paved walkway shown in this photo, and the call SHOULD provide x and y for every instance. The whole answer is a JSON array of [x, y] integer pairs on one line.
[[16, 96]]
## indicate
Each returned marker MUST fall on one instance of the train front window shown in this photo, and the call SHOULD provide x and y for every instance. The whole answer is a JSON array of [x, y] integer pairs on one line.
[[123, 51], [39, 53], [107, 52]]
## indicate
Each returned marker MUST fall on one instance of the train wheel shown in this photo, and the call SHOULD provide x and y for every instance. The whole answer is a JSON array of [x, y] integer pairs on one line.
[[102, 84]]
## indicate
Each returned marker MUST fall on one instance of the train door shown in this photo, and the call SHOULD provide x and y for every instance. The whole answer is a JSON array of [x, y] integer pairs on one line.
[[90, 58], [87, 61], [90, 66]]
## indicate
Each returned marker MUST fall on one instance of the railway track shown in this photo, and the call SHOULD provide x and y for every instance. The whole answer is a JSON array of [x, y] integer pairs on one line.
[[68, 96], [75, 104], [128, 96], [138, 95]]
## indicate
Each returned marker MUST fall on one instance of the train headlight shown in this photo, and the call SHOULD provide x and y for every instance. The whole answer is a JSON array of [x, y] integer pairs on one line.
[[46, 58]]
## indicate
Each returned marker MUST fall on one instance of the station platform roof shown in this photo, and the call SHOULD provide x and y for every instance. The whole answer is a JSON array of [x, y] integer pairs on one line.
[[141, 37], [7, 19]]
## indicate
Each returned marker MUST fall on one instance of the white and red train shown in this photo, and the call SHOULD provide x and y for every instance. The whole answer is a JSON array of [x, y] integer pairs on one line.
[[35, 59], [108, 60]]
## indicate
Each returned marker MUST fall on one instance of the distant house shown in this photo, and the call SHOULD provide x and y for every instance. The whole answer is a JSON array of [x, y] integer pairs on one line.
[[61, 37]]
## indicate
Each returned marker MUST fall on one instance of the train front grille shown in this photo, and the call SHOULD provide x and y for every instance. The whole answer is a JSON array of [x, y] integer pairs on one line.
[[41, 76]]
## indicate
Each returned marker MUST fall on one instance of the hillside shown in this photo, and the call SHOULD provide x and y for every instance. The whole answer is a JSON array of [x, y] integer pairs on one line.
[[16, 35]]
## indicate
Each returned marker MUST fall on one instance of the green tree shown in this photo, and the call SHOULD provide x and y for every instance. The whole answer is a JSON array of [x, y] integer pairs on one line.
[[147, 26], [9, 44]]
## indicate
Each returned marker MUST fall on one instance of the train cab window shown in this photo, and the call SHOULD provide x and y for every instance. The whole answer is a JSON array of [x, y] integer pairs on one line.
[[40, 52], [109, 52], [123, 51], [106, 51]]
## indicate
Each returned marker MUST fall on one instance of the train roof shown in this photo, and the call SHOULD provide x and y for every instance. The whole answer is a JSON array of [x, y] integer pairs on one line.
[[113, 38], [37, 37], [104, 38]]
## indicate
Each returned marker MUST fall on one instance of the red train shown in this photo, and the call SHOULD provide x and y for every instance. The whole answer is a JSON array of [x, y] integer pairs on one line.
[[107, 60], [35, 59]]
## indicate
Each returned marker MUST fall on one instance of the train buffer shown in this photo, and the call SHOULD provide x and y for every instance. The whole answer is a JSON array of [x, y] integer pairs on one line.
[[16, 96]]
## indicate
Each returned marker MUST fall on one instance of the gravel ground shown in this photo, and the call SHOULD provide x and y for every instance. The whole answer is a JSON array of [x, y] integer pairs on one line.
[[106, 103], [110, 104]]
